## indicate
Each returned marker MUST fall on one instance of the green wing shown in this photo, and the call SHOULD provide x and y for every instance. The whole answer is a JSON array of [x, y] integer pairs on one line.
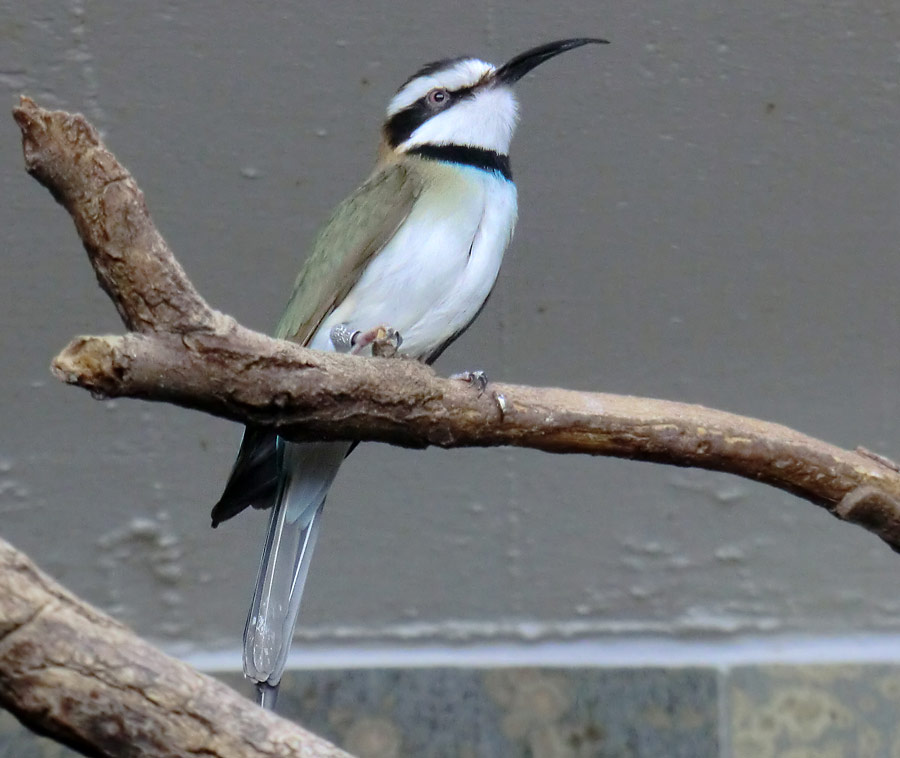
[[359, 227]]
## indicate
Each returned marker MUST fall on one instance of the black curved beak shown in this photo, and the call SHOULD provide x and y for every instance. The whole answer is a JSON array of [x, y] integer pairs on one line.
[[513, 70]]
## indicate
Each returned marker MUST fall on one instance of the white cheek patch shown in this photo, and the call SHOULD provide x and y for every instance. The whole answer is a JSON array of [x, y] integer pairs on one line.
[[465, 73], [486, 120]]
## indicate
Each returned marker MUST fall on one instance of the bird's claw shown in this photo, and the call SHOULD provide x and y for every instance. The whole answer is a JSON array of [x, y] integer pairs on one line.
[[384, 340], [387, 343], [477, 379]]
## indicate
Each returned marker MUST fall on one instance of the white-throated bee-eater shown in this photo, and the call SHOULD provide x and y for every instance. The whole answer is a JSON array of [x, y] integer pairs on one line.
[[413, 253]]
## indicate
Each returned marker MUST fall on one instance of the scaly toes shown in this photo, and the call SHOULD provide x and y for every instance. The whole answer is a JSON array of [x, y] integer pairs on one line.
[[387, 344], [384, 340], [477, 379]]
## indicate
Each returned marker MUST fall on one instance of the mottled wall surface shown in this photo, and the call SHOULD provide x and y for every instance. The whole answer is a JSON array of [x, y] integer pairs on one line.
[[709, 212]]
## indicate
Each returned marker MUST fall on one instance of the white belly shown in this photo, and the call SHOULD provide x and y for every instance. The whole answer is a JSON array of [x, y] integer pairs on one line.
[[436, 272]]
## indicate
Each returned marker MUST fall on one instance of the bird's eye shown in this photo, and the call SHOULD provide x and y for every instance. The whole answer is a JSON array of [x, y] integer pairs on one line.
[[438, 97]]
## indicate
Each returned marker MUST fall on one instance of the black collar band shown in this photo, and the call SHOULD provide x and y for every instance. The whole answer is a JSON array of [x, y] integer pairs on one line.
[[477, 157]]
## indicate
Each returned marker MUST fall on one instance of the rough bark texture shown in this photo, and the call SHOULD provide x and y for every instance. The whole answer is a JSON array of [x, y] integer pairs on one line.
[[76, 675], [131, 259], [307, 394], [182, 351]]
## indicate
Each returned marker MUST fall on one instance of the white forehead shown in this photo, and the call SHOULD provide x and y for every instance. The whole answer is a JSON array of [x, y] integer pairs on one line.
[[464, 73]]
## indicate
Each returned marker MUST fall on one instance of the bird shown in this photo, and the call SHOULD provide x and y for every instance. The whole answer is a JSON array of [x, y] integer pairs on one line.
[[410, 257]]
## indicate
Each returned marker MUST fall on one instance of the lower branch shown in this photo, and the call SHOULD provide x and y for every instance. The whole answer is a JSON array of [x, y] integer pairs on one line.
[[71, 673]]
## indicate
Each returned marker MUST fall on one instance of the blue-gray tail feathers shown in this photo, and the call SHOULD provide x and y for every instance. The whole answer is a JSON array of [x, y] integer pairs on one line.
[[306, 472]]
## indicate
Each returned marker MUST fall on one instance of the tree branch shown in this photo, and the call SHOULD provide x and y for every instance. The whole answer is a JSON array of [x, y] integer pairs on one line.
[[113, 694], [116, 690], [182, 351], [310, 395], [131, 259]]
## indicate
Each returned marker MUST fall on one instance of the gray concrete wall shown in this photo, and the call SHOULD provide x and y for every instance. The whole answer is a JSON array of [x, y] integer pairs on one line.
[[708, 212]]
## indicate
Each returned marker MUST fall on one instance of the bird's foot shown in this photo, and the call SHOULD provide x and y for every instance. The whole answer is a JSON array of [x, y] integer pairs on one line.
[[384, 340], [477, 379]]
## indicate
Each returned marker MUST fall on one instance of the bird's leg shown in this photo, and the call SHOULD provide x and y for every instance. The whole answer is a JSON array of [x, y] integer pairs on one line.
[[384, 340], [477, 379]]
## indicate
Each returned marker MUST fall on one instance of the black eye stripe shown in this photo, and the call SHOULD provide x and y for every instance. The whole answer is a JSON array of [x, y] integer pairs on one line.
[[461, 93], [402, 124]]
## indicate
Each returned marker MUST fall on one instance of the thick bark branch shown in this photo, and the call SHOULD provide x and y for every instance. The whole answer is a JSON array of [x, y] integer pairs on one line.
[[189, 354], [307, 394], [72, 673]]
